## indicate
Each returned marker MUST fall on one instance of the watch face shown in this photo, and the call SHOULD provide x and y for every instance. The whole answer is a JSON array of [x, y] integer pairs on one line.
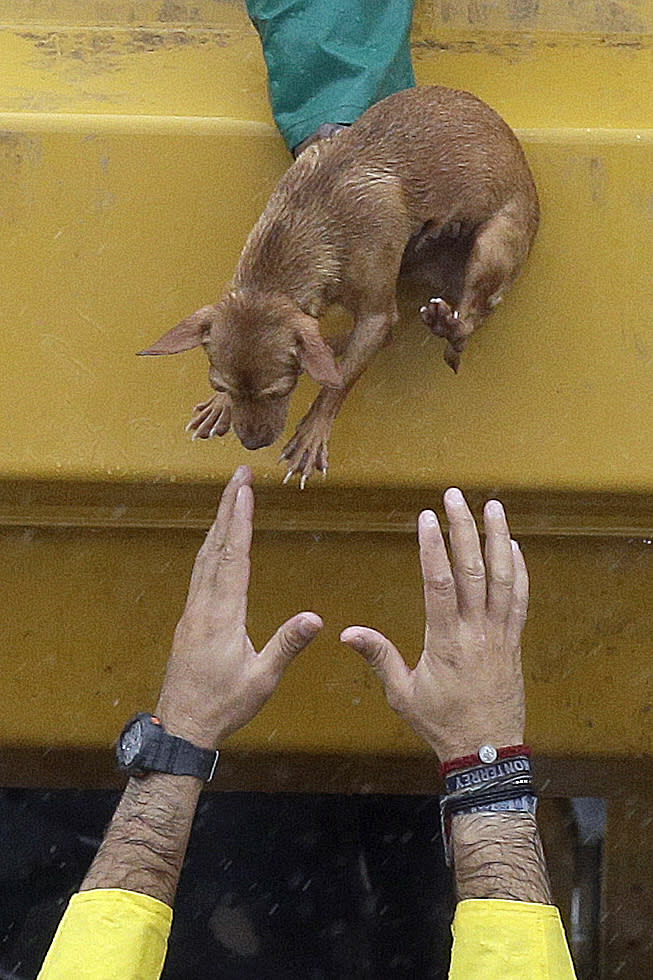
[[131, 742]]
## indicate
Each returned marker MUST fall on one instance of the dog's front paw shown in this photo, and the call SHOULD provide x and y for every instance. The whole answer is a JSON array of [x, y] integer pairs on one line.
[[445, 322], [211, 418], [308, 449]]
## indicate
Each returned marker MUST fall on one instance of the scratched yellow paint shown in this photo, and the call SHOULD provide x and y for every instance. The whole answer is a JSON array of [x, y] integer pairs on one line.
[[136, 151], [213, 66], [581, 16]]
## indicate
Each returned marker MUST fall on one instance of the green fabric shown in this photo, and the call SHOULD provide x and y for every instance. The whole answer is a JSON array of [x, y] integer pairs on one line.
[[330, 60]]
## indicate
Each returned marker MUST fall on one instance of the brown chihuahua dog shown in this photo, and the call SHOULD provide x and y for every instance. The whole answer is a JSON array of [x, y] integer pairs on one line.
[[430, 182]]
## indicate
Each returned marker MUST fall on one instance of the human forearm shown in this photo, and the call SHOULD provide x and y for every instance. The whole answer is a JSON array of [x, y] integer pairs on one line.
[[145, 844], [499, 855], [465, 697], [505, 927]]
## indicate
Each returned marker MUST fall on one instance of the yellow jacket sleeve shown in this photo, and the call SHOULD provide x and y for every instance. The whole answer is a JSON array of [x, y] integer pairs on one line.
[[109, 934], [499, 940]]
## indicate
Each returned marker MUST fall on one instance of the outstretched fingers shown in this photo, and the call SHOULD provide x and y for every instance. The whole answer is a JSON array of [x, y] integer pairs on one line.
[[289, 640], [468, 567], [232, 565], [439, 586], [499, 562], [242, 478], [384, 658], [209, 554], [519, 600], [507, 586]]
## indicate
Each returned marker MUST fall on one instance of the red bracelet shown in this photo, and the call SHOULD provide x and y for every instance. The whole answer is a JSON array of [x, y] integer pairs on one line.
[[492, 755]]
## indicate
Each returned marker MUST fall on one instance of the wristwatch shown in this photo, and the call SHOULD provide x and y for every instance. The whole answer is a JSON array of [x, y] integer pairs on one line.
[[145, 746]]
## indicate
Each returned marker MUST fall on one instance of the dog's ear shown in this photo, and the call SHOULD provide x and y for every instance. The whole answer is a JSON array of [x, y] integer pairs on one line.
[[315, 355], [186, 335]]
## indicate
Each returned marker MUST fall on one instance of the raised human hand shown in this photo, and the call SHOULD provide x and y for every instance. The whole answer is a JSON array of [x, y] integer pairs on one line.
[[467, 688], [216, 682]]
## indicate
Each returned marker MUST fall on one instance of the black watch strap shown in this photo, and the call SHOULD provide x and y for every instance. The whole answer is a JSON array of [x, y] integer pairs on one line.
[[145, 746], [176, 755]]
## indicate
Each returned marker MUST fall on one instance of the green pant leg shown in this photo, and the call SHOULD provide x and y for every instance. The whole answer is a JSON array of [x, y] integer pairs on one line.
[[330, 60]]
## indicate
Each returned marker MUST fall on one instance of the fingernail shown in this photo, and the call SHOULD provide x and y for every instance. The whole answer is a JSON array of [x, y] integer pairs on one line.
[[355, 644], [353, 640], [243, 495], [494, 507], [454, 496], [429, 518], [309, 624], [240, 473]]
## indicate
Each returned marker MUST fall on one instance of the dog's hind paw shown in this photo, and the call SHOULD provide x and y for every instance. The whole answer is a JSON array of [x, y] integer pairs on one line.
[[440, 318], [211, 418], [445, 322]]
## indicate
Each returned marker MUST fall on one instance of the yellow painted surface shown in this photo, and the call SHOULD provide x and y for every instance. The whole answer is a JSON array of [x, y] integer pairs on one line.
[[556, 392], [214, 66], [93, 614], [136, 151]]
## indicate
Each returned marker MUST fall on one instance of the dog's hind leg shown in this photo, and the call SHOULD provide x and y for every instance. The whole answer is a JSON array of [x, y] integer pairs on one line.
[[499, 249]]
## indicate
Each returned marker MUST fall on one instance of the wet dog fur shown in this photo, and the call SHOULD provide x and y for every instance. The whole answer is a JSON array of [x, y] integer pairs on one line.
[[430, 183]]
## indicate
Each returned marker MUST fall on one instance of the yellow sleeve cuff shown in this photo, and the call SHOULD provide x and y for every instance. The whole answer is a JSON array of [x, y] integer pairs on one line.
[[109, 934], [500, 940]]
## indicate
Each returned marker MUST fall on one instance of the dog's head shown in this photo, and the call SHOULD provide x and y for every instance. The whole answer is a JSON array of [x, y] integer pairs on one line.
[[257, 345]]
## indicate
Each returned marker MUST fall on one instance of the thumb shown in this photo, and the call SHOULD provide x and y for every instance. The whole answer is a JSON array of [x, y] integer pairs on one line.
[[382, 656], [290, 639]]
